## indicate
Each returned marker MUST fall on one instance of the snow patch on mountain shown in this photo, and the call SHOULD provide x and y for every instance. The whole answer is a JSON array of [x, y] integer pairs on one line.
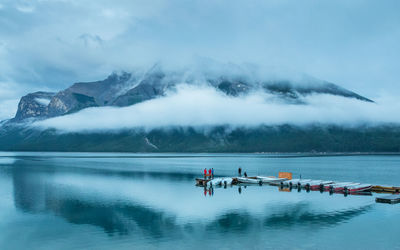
[[43, 101]]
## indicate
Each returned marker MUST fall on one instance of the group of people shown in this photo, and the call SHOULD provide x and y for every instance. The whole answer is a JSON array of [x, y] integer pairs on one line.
[[210, 174], [240, 172]]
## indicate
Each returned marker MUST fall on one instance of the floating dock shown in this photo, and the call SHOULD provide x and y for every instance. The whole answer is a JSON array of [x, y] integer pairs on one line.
[[286, 183], [392, 199], [202, 182]]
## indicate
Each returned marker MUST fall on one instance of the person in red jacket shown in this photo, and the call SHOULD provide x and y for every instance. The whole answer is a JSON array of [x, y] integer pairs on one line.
[[205, 173], [209, 173]]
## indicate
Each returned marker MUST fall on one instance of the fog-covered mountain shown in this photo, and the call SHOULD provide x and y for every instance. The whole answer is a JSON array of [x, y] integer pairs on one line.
[[125, 89], [69, 126]]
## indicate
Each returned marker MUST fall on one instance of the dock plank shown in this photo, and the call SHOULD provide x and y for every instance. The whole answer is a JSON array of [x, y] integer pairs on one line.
[[392, 199]]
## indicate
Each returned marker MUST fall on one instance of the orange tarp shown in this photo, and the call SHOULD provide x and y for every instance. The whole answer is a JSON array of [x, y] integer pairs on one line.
[[286, 175]]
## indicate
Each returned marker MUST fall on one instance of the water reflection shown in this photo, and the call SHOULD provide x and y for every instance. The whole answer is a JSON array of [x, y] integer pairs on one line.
[[163, 204], [35, 193], [209, 191]]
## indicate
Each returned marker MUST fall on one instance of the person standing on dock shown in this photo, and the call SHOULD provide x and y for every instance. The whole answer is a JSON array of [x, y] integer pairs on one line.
[[209, 172], [245, 174], [240, 171], [205, 173], [212, 173]]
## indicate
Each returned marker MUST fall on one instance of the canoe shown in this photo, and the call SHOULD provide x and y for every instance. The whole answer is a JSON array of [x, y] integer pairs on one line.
[[340, 186], [359, 188], [247, 180], [312, 182], [226, 181], [318, 184], [385, 189], [270, 180], [214, 182], [295, 182]]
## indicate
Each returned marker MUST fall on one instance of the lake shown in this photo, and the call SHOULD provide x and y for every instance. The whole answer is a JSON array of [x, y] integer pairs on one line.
[[150, 201]]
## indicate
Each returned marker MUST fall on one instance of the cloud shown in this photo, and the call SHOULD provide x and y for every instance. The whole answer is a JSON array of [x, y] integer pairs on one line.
[[354, 44], [56, 43], [25, 8], [10, 94], [8, 108], [9, 98], [199, 106]]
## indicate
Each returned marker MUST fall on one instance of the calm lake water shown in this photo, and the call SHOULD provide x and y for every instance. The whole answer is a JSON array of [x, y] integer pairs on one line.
[[150, 201]]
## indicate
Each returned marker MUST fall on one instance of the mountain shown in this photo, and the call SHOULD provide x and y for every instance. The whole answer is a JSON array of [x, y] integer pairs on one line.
[[129, 88], [34, 105], [125, 89]]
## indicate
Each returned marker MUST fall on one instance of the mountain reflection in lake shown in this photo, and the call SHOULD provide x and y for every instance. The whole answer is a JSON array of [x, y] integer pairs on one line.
[[56, 201]]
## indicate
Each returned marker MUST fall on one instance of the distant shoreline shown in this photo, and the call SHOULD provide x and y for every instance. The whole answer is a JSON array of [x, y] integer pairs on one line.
[[221, 154]]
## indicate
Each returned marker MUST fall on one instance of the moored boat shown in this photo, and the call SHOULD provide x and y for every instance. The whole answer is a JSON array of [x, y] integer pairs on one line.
[[337, 187], [358, 188], [227, 181], [295, 182], [304, 184], [270, 179], [215, 182], [248, 180], [316, 185]]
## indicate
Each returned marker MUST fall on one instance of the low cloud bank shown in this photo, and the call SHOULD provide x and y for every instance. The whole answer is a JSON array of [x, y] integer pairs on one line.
[[204, 106]]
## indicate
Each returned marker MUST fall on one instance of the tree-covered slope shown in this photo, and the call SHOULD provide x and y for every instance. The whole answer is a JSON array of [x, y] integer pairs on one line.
[[283, 138]]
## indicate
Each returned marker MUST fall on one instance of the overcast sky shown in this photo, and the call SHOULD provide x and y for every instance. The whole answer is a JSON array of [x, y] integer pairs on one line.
[[50, 44]]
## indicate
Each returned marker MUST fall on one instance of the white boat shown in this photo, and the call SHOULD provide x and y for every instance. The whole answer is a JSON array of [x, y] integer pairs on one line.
[[247, 180], [359, 188], [314, 185], [215, 182], [295, 182], [340, 186], [270, 180], [305, 183], [227, 181]]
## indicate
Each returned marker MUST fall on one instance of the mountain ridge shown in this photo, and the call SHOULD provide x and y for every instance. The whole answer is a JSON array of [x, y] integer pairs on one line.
[[125, 89]]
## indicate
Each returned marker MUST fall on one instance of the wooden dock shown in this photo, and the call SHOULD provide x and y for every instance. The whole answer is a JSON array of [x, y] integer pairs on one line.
[[202, 181], [392, 199], [284, 186]]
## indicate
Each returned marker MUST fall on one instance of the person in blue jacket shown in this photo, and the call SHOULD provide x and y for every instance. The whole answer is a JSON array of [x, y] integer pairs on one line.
[[212, 173]]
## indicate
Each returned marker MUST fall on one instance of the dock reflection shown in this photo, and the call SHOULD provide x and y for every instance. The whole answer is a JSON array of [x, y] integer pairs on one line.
[[39, 189]]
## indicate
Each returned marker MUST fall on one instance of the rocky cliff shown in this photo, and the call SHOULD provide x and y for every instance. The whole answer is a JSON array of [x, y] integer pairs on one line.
[[124, 89], [34, 105]]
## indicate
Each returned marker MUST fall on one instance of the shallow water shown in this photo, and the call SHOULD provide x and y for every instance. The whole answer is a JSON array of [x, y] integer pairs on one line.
[[148, 201]]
